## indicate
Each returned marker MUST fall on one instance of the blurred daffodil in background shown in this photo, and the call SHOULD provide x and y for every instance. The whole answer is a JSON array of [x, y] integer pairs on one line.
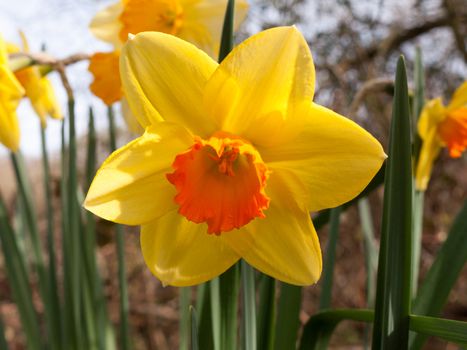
[[38, 88], [234, 157], [11, 93], [441, 126], [197, 21]]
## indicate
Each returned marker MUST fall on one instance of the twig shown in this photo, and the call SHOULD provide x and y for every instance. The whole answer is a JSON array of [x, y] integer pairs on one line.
[[371, 86]]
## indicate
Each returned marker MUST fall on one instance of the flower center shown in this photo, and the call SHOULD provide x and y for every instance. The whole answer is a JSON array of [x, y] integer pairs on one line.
[[453, 131], [221, 182], [150, 15]]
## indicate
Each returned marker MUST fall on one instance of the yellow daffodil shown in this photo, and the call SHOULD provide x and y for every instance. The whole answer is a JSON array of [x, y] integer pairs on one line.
[[38, 89], [441, 126], [11, 93], [197, 21], [234, 157]]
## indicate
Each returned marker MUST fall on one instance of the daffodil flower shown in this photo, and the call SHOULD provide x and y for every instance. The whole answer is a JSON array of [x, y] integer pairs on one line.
[[11, 93], [234, 157], [38, 88], [441, 126], [197, 21]]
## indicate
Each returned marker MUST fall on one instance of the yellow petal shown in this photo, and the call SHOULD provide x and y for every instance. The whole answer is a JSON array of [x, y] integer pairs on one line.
[[106, 85], [129, 118], [131, 186], [271, 72], [163, 79], [428, 153], [49, 99], [432, 114], [105, 24], [181, 253], [11, 93], [283, 245], [323, 159], [459, 98], [203, 21]]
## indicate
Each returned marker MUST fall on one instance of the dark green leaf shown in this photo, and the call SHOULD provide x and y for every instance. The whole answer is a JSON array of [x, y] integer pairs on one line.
[[319, 327], [450, 330], [442, 275], [288, 321], [266, 312], [393, 296]]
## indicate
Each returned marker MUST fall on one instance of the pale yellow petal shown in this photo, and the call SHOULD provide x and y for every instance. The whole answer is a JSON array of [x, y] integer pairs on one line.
[[459, 98], [430, 149], [129, 118], [11, 93], [432, 114], [182, 253], [203, 21], [323, 159], [105, 24], [49, 99], [270, 73], [131, 186], [283, 245], [164, 78]]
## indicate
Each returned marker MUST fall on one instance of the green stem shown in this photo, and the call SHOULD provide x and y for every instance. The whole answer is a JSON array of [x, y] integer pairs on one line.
[[124, 324], [74, 238], [249, 306], [184, 295], [54, 297], [328, 266], [38, 261]]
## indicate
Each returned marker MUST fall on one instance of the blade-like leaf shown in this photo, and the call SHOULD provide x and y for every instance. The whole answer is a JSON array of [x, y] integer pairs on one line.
[[450, 330], [193, 329], [319, 327], [442, 275], [266, 313], [393, 296], [17, 276], [329, 261], [249, 306], [185, 311], [123, 288], [288, 321], [227, 39]]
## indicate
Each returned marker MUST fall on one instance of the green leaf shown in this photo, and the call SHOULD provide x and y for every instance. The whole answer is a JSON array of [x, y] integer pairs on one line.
[[418, 102], [266, 312], [442, 274], [329, 261], [38, 258], [229, 285], [227, 39], [54, 300], [319, 327], [450, 330], [205, 324], [249, 306], [393, 296], [288, 321], [193, 329], [122, 283], [185, 311], [19, 283]]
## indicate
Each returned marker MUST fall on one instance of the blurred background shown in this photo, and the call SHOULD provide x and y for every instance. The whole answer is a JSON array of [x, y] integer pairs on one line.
[[355, 45]]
